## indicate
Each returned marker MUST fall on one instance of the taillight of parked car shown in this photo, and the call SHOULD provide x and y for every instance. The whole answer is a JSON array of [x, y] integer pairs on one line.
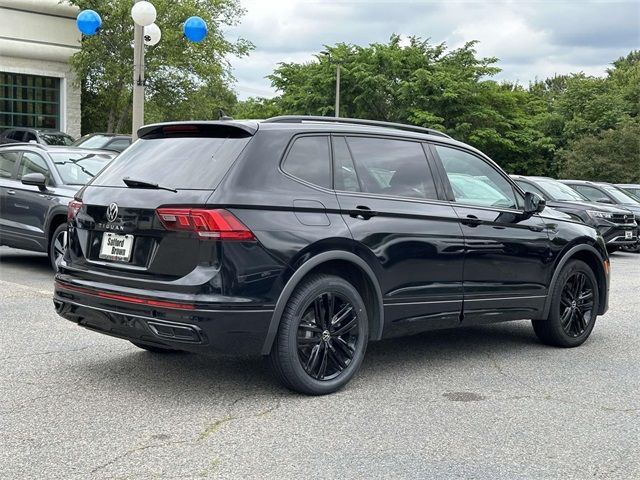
[[214, 224], [73, 209]]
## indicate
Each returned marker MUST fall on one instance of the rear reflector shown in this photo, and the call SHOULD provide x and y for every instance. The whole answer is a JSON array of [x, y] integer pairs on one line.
[[215, 224], [126, 298]]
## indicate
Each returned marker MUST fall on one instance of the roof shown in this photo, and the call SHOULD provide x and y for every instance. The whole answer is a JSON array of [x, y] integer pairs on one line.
[[55, 148]]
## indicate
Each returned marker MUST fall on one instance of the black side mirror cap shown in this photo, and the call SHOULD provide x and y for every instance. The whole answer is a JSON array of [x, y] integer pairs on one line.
[[533, 203], [35, 179]]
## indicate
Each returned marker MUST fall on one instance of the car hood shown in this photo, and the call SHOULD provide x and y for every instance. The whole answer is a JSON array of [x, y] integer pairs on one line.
[[600, 207]]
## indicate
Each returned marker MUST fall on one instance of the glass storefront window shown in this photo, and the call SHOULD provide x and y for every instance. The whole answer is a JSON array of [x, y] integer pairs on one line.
[[29, 101]]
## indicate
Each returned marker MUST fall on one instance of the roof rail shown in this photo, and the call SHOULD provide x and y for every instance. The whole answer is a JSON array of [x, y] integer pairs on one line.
[[23, 144], [353, 121]]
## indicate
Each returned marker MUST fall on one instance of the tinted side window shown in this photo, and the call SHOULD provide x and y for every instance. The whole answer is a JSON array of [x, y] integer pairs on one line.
[[32, 163], [29, 137], [591, 193], [392, 167], [474, 181], [344, 172], [309, 160], [119, 144], [8, 162], [528, 187]]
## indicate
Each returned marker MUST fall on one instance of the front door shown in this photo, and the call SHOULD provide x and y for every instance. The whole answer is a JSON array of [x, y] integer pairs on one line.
[[505, 266], [27, 206], [389, 200]]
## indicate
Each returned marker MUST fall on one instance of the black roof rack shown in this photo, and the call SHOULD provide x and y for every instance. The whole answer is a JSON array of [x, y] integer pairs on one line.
[[353, 121], [23, 144]]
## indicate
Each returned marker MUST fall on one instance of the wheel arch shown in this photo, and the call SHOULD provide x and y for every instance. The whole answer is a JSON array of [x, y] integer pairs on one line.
[[594, 259], [341, 263], [56, 219]]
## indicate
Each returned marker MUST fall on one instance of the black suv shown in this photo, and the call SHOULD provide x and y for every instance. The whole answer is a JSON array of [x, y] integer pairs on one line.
[[41, 136], [36, 184], [617, 225], [303, 238]]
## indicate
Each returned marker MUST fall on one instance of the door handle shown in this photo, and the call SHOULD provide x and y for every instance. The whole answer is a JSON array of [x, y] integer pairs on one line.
[[363, 212], [11, 192], [22, 205], [471, 221]]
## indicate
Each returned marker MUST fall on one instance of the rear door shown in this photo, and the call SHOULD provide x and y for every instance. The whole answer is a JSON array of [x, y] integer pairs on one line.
[[389, 200], [505, 267]]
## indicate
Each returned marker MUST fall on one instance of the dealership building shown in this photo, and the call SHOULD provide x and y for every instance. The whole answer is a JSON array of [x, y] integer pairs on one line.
[[37, 85]]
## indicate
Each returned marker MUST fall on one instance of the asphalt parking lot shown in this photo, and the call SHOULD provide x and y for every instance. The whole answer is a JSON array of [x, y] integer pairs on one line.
[[486, 402]]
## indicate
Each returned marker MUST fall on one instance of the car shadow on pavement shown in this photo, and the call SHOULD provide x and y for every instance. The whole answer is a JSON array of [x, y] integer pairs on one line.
[[172, 374], [27, 260]]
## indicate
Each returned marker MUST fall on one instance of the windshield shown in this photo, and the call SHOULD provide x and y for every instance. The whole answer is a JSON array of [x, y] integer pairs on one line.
[[619, 195], [79, 168], [188, 163], [95, 141], [56, 139], [561, 192]]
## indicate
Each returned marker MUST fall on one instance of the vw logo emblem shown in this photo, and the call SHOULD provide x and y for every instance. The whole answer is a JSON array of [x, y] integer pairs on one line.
[[112, 212]]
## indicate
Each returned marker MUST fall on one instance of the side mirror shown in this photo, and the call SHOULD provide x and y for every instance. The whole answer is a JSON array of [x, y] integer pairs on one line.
[[35, 179], [605, 200], [533, 203]]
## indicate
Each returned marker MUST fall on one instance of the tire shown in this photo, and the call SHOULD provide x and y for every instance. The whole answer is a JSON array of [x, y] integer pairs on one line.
[[571, 317], [57, 245], [154, 349], [311, 355]]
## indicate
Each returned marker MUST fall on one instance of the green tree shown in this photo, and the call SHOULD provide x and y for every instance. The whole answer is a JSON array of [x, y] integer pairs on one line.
[[610, 156], [180, 74], [426, 85]]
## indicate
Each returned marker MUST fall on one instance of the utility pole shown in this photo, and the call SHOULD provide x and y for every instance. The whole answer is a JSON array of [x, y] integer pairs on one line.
[[138, 79], [337, 109]]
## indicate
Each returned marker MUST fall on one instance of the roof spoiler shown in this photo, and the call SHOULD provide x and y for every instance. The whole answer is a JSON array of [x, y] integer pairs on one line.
[[194, 128]]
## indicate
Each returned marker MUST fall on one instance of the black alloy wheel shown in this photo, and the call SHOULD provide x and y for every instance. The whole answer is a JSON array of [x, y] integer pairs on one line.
[[327, 336], [58, 246], [574, 307], [322, 337], [576, 304]]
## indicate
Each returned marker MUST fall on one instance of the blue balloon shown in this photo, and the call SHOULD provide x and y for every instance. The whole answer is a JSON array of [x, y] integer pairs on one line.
[[195, 29], [88, 22]]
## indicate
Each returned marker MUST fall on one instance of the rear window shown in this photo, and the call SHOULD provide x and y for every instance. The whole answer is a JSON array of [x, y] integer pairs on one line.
[[184, 163]]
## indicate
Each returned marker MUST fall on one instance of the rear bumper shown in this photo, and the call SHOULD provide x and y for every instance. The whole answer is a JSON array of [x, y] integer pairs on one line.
[[199, 330]]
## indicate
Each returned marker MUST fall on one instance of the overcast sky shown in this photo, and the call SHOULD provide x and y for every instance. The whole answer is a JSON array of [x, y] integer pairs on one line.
[[533, 39]]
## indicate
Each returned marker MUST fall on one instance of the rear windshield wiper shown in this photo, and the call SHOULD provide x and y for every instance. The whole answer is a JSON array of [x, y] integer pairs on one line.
[[131, 183]]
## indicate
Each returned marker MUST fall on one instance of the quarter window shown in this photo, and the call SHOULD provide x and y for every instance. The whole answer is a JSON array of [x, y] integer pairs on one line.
[[474, 181], [309, 159], [392, 167]]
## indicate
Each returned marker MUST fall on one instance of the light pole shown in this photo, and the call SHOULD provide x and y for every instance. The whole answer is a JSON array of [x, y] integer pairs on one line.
[[336, 109], [140, 19], [145, 32]]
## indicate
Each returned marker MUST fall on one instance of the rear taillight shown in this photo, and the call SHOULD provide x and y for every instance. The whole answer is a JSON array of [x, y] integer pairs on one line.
[[208, 224], [73, 209]]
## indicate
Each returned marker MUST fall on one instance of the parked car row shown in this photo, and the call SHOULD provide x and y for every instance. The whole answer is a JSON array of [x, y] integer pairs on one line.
[[614, 213], [47, 136], [37, 182]]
